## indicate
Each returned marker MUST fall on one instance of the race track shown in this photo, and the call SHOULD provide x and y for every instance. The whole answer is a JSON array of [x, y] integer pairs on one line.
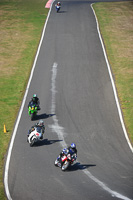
[[77, 105]]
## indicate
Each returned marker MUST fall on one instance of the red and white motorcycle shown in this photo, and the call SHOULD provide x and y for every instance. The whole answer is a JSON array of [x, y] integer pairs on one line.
[[66, 161], [34, 136]]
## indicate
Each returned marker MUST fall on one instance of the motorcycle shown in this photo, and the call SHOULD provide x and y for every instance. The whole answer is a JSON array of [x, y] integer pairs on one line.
[[66, 161], [32, 110], [57, 8], [34, 136]]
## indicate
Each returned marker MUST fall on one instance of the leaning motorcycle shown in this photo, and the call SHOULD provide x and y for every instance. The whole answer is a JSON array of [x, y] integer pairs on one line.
[[32, 110], [34, 136], [66, 160]]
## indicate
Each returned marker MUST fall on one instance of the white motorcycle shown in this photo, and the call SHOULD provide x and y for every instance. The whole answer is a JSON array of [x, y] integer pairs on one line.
[[34, 136]]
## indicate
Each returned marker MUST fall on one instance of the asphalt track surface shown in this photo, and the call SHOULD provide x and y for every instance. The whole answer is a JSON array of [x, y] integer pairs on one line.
[[77, 104]]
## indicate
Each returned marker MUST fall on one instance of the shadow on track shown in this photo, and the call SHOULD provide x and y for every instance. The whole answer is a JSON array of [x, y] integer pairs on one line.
[[62, 12], [46, 142], [42, 116], [78, 166]]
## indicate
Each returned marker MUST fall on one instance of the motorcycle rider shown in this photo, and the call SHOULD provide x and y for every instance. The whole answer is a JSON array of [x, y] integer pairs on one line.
[[70, 150], [38, 124], [58, 4], [36, 101]]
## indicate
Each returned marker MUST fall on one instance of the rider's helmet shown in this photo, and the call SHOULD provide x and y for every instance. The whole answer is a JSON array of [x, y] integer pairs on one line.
[[41, 122], [34, 97], [73, 146]]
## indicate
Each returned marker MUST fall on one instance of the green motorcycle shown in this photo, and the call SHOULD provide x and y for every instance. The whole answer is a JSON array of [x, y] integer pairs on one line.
[[32, 110]]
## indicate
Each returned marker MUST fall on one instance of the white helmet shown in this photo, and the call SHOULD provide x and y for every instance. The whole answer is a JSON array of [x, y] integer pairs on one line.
[[41, 122], [34, 95]]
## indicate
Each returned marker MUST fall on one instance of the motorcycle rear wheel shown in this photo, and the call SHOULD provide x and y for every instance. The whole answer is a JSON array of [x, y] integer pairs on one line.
[[32, 116]]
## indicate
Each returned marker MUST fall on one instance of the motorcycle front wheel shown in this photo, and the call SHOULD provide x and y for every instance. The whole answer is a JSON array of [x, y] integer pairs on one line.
[[32, 142], [65, 166], [56, 163]]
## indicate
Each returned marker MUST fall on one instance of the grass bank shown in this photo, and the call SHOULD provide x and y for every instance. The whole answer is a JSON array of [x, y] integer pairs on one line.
[[21, 24], [116, 26]]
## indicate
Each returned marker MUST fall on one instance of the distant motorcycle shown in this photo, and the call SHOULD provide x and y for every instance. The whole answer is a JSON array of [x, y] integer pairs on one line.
[[66, 161], [57, 8], [34, 136], [32, 110]]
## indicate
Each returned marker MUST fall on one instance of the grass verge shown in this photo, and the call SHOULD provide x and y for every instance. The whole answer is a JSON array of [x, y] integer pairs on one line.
[[116, 26], [21, 22]]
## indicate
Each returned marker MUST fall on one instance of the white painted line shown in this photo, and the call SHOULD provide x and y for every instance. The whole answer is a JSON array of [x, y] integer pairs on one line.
[[103, 186], [20, 113], [55, 127], [113, 85], [60, 132]]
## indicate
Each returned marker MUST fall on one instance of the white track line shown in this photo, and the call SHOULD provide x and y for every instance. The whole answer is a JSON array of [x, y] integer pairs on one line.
[[19, 115], [60, 132], [55, 127], [113, 85]]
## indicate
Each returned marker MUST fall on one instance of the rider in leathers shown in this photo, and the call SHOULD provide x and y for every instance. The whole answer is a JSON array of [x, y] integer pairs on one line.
[[36, 101], [70, 150], [39, 124]]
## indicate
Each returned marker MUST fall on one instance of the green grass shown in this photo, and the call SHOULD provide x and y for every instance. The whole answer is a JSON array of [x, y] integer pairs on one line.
[[21, 26], [115, 21]]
